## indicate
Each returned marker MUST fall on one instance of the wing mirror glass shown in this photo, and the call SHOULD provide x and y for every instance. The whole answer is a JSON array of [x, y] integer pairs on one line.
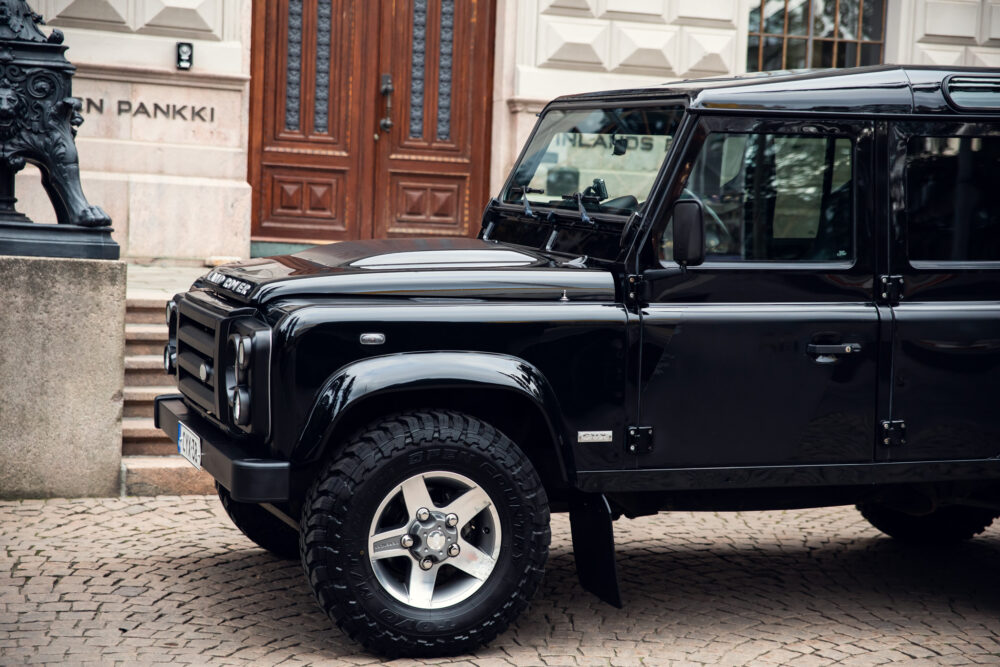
[[689, 232]]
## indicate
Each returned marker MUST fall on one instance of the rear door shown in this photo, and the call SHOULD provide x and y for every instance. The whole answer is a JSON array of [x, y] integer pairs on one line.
[[767, 353], [945, 250]]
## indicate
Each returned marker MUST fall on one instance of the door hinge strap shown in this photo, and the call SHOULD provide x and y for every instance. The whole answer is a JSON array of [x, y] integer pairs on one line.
[[639, 439], [890, 288], [633, 287], [893, 433]]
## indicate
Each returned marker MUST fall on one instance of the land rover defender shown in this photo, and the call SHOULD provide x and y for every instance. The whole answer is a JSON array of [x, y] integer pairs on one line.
[[760, 292]]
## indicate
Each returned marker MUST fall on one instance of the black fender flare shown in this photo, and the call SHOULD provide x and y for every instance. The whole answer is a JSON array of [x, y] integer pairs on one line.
[[412, 371]]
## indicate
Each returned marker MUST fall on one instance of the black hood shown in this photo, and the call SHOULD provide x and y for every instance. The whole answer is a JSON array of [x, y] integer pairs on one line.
[[452, 267]]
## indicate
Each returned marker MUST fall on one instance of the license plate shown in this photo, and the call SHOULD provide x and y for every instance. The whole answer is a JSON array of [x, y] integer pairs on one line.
[[189, 445]]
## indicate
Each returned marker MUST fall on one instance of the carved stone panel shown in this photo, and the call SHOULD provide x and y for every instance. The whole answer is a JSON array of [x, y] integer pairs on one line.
[[201, 19]]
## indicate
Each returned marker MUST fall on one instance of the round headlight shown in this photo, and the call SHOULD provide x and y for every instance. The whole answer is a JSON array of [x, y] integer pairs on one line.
[[243, 349], [171, 307], [240, 400], [169, 359]]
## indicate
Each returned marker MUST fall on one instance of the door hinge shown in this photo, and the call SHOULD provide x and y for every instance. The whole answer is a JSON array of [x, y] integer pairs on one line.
[[890, 288], [633, 287], [894, 433], [639, 439]]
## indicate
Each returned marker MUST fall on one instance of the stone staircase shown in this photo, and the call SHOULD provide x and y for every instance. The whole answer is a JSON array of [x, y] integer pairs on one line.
[[150, 463]]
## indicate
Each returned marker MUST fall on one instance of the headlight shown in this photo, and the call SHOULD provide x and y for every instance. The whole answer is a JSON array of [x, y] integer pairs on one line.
[[240, 403], [171, 307], [169, 360], [240, 348], [243, 348]]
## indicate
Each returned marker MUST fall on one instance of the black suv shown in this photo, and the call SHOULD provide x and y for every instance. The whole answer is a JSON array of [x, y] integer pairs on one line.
[[761, 292]]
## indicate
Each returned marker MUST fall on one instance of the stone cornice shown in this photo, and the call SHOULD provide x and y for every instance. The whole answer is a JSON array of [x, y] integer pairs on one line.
[[235, 82]]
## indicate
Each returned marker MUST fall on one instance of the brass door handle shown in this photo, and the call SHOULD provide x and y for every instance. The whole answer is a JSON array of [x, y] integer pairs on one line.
[[386, 90]]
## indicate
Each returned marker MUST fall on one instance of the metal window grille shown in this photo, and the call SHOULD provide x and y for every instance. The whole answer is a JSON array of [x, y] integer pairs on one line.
[[797, 34]]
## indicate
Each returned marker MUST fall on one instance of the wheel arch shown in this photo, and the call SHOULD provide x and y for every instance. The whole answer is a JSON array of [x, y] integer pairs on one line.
[[507, 392]]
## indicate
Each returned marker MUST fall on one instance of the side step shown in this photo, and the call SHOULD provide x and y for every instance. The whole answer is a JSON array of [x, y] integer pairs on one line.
[[594, 546]]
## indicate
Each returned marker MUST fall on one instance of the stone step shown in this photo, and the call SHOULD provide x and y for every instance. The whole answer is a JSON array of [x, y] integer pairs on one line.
[[164, 476], [144, 311], [139, 400], [145, 339], [145, 370], [141, 429]]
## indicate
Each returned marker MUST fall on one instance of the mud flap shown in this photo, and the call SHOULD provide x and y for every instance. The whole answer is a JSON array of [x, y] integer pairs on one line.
[[594, 546]]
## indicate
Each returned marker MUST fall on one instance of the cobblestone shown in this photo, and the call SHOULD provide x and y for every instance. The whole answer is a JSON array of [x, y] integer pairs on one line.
[[169, 580]]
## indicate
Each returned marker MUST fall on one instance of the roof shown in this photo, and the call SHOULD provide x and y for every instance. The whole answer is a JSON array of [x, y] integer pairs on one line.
[[891, 89]]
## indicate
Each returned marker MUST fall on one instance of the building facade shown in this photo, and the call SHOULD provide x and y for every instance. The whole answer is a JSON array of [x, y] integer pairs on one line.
[[304, 121]]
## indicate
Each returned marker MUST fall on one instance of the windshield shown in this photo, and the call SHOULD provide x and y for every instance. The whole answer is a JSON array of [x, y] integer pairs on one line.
[[595, 160]]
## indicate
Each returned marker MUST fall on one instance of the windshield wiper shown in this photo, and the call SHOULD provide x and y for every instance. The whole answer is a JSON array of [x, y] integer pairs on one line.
[[525, 191], [578, 197]]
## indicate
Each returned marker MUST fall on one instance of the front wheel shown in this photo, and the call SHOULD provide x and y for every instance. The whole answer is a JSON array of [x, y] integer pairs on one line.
[[426, 535]]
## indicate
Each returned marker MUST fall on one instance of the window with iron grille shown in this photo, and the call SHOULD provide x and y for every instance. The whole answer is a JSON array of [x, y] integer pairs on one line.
[[796, 34]]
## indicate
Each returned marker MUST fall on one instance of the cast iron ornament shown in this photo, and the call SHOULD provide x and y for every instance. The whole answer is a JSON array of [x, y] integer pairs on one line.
[[39, 117]]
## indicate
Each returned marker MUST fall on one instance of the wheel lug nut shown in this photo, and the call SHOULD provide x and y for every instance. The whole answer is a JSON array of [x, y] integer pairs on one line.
[[423, 514], [451, 520], [426, 564], [454, 550], [406, 541]]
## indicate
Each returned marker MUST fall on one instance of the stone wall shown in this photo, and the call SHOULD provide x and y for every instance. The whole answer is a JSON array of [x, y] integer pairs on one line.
[[61, 371], [944, 32], [163, 151]]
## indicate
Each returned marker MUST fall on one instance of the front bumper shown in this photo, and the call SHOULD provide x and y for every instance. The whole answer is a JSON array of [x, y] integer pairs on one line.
[[249, 479]]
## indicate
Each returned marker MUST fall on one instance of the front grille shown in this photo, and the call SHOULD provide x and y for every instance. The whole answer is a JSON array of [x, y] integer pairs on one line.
[[199, 332]]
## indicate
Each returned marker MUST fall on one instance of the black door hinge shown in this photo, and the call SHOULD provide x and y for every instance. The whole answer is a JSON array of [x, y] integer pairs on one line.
[[639, 439], [894, 433], [633, 287], [890, 288]]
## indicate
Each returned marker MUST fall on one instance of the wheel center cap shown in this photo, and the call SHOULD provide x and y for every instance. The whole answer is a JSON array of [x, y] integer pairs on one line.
[[436, 540]]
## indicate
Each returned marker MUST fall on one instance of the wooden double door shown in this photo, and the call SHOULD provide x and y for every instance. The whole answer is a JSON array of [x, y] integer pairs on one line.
[[370, 118]]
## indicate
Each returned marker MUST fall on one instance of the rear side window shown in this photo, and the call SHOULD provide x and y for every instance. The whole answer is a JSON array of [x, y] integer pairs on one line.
[[953, 198], [773, 197]]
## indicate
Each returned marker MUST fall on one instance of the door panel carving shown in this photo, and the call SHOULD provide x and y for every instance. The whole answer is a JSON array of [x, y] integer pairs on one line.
[[428, 204]]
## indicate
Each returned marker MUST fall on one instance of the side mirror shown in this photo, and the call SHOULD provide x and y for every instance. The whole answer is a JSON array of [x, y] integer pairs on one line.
[[689, 232]]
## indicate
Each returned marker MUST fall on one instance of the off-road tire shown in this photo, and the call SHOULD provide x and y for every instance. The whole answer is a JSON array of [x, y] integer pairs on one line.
[[340, 506], [945, 525], [263, 528]]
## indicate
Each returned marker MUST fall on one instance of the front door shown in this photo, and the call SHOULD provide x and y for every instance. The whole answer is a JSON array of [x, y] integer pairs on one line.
[[369, 119], [945, 247], [766, 354]]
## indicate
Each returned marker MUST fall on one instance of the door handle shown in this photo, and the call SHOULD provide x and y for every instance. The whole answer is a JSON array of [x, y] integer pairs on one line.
[[386, 122], [839, 348]]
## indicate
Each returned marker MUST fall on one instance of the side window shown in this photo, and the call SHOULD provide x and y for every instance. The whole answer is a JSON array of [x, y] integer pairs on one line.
[[952, 199], [773, 197]]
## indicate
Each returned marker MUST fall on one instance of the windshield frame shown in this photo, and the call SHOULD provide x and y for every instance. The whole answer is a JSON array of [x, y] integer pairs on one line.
[[614, 100]]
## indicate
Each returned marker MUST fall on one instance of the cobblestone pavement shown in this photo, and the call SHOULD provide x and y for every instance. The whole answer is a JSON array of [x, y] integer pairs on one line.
[[158, 580]]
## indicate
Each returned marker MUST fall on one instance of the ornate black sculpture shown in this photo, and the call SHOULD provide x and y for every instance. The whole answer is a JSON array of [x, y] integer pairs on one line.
[[38, 121]]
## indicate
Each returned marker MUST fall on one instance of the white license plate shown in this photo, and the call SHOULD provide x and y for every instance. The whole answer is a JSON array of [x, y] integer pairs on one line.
[[189, 445]]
